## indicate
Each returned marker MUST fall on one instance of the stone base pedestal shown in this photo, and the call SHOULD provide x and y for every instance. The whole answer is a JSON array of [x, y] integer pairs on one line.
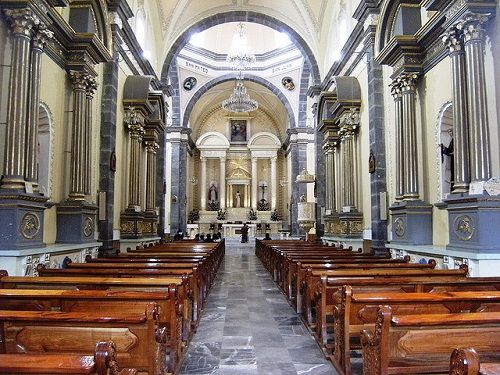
[[76, 221], [21, 220], [346, 224], [131, 224], [150, 224], [411, 223], [474, 223]]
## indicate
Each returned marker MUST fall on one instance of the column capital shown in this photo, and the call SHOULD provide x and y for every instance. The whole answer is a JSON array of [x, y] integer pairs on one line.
[[452, 40], [395, 87], [79, 79], [22, 21], [91, 87], [471, 25], [408, 82], [349, 123], [41, 36], [134, 121], [151, 146]]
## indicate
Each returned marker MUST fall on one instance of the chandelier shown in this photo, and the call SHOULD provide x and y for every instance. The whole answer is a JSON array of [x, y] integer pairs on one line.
[[240, 57], [240, 101]]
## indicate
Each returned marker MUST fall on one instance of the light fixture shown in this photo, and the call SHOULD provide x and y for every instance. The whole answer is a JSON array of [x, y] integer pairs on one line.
[[240, 57], [240, 101]]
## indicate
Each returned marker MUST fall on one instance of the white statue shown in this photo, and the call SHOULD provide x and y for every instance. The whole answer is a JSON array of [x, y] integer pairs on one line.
[[238, 199], [212, 192]]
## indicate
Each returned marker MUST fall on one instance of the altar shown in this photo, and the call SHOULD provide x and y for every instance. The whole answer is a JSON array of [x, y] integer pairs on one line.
[[234, 230]]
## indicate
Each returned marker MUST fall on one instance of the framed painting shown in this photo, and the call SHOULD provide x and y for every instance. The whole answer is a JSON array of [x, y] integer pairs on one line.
[[238, 131]]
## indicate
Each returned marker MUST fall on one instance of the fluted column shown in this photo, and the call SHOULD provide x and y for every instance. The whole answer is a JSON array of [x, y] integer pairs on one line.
[[349, 126], [474, 35], [151, 150], [460, 113], [222, 184], [40, 38], [135, 124], [87, 167], [396, 94], [254, 183], [409, 141], [330, 178], [22, 22], [79, 79], [203, 183], [336, 173], [273, 183]]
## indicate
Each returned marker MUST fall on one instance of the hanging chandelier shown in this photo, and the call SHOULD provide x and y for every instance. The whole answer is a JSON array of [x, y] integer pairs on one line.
[[240, 57], [240, 101]]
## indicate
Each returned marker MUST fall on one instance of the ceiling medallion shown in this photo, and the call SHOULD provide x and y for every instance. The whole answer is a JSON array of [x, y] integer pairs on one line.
[[287, 83], [189, 83]]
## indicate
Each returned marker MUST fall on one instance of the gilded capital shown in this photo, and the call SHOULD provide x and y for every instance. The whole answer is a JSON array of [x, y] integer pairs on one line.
[[91, 87], [408, 82], [134, 121], [395, 89], [41, 36], [79, 79], [472, 26], [22, 21], [151, 146], [453, 40]]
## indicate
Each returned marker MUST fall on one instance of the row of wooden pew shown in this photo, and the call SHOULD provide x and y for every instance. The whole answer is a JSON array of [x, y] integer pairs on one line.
[[406, 317], [147, 302]]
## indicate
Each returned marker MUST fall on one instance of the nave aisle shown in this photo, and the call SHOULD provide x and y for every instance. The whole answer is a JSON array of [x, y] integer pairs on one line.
[[248, 328]]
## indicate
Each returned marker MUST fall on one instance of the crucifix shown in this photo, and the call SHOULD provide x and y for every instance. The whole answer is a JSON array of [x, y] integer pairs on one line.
[[263, 186]]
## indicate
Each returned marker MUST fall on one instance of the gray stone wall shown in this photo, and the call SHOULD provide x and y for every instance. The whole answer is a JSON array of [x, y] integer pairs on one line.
[[376, 125], [107, 148]]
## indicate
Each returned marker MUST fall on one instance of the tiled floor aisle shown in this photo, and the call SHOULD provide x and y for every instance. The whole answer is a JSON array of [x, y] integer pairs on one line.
[[249, 328]]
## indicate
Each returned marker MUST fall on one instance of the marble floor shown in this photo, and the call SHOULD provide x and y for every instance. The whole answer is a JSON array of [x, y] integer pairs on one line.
[[248, 328]]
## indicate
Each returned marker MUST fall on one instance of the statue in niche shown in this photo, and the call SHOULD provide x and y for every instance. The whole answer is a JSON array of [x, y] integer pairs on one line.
[[212, 192], [449, 162], [238, 199]]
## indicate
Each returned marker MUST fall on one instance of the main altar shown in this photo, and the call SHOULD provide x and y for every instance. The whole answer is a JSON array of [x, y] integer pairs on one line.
[[236, 182]]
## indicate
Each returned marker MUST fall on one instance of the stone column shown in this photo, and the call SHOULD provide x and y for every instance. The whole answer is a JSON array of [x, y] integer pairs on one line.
[[222, 184], [460, 113], [151, 150], [254, 183], [203, 183], [87, 172], [135, 124], [273, 183], [230, 196], [472, 27], [328, 178], [79, 79], [396, 94], [40, 38], [349, 126], [22, 22], [409, 145]]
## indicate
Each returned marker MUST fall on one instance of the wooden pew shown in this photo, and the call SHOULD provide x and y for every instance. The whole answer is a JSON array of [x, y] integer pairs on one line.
[[328, 294], [196, 284], [190, 317], [466, 362], [358, 311], [306, 287], [139, 341], [416, 344], [106, 303], [103, 362]]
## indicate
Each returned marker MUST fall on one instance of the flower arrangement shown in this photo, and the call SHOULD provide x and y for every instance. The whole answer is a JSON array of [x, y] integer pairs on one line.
[[275, 216], [252, 215], [221, 215], [194, 215]]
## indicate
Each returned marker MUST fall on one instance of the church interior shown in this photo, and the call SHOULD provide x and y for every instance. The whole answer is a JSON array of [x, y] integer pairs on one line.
[[227, 178]]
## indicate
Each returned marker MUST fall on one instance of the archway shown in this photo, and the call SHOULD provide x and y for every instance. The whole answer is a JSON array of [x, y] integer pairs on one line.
[[445, 150], [45, 149]]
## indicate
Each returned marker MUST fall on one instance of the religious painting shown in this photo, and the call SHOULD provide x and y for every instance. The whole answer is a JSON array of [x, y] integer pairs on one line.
[[238, 131]]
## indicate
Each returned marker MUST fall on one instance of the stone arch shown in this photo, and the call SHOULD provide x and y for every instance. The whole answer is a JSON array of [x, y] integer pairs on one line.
[[211, 140], [241, 16], [45, 149], [230, 77], [264, 139]]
